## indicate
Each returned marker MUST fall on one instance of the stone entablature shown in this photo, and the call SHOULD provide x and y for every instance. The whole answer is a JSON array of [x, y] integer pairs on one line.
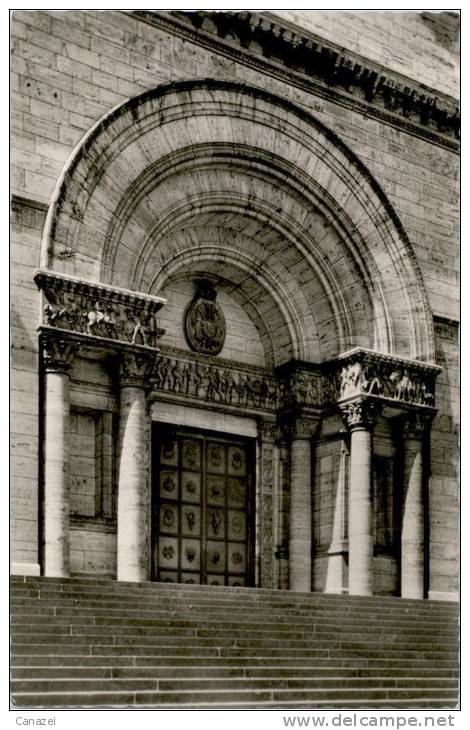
[[260, 40], [116, 319], [360, 373], [99, 311]]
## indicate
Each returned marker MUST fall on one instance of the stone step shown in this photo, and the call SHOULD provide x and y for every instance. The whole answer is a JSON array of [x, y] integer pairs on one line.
[[188, 616], [229, 594], [185, 650], [46, 612], [198, 660], [236, 596], [177, 672], [65, 624], [215, 697], [227, 637], [223, 684]]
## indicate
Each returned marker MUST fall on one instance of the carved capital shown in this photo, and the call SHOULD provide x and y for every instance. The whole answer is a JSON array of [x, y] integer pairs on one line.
[[267, 430], [136, 370], [416, 424], [360, 414], [58, 352], [300, 427]]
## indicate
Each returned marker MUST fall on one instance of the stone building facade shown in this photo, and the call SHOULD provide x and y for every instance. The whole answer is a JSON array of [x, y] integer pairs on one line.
[[235, 299]]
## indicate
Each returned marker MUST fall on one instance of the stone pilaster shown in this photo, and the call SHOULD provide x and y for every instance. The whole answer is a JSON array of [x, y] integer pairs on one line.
[[133, 499], [412, 528], [267, 431], [300, 517], [360, 417], [282, 516], [58, 355]]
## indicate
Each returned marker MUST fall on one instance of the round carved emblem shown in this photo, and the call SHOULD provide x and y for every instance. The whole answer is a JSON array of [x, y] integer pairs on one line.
[[204, 321]]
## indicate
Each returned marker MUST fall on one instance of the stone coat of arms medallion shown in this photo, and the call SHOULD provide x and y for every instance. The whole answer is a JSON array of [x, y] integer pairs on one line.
[[204, 321]]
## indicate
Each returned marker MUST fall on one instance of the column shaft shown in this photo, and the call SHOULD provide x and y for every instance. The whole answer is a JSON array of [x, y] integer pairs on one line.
[[300, 524], [361, 544], [56, 475], [336, 571], [412, 534], [132, 539]]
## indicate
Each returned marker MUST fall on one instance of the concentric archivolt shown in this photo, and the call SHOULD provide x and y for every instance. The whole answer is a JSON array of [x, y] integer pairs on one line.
[[209, 174]]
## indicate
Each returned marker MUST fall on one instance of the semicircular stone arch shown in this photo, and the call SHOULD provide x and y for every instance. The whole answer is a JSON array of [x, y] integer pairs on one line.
[[220, 179]]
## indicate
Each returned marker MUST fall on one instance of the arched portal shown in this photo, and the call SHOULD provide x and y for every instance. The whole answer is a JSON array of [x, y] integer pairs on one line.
[[320, 310]]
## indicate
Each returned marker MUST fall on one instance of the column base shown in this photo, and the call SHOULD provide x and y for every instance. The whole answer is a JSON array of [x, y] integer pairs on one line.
[[25, 569], [443, 596]]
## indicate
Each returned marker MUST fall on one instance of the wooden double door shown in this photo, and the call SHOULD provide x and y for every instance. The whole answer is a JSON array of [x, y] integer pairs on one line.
[[202, 508]]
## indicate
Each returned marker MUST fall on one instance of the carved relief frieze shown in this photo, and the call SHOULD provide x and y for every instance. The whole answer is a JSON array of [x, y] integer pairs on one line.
[[216, 382], [366, 373], [96, 310], [296, 387]]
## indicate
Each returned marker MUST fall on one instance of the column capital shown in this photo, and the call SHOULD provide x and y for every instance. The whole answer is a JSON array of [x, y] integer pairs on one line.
[[361, 413], [136, 369], [268, 431], [415, 424], [58, 352], [299, 426]]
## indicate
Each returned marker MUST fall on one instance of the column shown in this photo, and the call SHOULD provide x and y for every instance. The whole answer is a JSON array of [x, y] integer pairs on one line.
[[300, 516], [133, 497], [360, 417], [58, 355], [337, 552], [412, 529]]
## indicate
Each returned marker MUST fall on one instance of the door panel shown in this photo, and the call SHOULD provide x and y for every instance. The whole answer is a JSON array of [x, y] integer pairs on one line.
[[202, 508]]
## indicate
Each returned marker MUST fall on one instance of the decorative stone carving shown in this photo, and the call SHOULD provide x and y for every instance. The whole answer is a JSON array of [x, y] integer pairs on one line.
[[204, 321], [366, 373], [216, 383], [293, 387], [268, 430], [299, 387], [360, 413], [299, 426], [58, 352], [136, 369], [415, 425], [95, 310]]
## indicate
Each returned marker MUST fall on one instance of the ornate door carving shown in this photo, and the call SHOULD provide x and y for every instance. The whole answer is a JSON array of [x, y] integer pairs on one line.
[[202, 508]]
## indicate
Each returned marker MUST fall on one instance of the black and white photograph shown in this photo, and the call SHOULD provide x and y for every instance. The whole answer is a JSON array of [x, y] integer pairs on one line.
[[234, 366]]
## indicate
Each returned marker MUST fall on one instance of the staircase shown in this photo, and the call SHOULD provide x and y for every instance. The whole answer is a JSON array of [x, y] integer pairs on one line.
[[100, 643]]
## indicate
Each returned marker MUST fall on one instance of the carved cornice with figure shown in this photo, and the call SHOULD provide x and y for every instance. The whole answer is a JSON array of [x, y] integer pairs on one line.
[[99, 311], [362, 372]]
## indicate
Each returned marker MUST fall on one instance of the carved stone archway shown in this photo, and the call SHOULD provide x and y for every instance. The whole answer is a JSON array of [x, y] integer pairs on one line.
[[219, 180]]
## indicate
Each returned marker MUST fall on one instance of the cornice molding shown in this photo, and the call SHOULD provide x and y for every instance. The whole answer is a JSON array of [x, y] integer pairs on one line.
[[309, 63]]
